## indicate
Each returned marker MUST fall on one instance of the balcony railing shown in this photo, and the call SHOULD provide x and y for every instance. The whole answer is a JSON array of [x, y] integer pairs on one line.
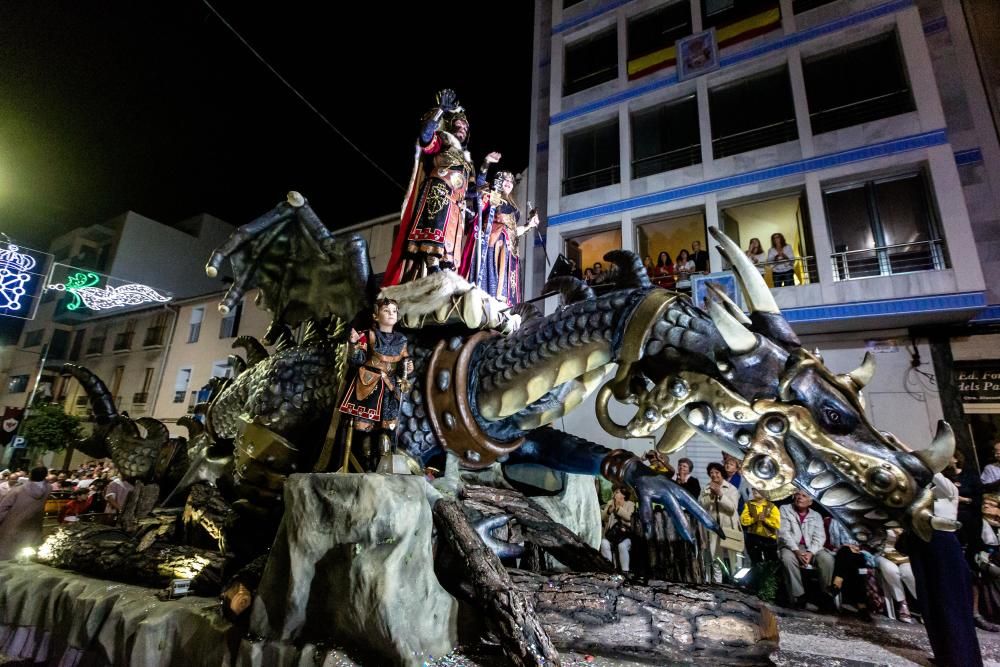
[[889, 260], [123, 342], [862, 111], [179, 395], [81, 401], [758, 137], [96, 346], [590, 180], [140, 398], [804, 272], [154, 337], [668, 161]]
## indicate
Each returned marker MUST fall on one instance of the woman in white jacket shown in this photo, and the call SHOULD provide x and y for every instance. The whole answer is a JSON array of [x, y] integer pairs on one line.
[[721, 499]]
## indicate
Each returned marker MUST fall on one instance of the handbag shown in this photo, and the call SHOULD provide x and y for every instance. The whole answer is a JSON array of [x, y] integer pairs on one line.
[[618, 533], [733, 540]]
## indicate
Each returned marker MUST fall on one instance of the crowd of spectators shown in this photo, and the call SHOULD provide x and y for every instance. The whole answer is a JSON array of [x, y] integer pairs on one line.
[[94, 476], [813, 560]]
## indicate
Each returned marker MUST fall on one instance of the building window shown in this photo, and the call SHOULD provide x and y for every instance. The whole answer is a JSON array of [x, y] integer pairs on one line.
[[58, 345], [194, 331], [156, 332], [799, 6], [222, 369], [665, 138], [883, 227], [592, 158], [760, 221], [837, 101], [670, 236], [142, 397], [229, 327], [569, 3], [34, 338], [78, 336], [17, 384], [181, 384], [587, 252], [752, 113], [116, 383], [123, 341], [96, 344], [736, 21], [590, 61], [652, 37]]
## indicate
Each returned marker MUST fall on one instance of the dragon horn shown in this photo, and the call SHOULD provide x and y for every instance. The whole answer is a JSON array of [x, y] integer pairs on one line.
[[758, 294], [942, 449], [739, 339]]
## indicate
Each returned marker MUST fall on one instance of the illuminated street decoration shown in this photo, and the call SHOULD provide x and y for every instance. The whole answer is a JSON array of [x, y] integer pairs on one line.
[[82, 286], [14, 275], [22, 278]]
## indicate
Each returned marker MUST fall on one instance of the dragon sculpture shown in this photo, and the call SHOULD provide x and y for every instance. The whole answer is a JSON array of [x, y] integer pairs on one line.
[[744, 381]]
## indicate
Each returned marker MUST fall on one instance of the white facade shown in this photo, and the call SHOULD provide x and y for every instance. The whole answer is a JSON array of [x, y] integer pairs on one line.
[[947, 135]]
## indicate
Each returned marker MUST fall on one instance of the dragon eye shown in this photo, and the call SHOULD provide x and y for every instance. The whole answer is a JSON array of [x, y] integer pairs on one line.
[[831, 415]]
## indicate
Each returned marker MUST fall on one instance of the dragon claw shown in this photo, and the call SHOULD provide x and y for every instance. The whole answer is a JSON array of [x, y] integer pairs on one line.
[[651, 487], [485, 526]]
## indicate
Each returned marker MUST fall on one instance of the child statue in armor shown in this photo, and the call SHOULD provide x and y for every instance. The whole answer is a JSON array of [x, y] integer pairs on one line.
[[372, 398]]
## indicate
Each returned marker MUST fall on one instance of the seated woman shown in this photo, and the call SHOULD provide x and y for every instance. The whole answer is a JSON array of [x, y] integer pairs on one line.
[[616, 520], [849, 561], [896, 572]]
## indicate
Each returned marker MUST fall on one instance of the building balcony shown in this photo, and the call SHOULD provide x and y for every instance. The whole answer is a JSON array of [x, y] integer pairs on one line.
[[889, 260], [591, 180]]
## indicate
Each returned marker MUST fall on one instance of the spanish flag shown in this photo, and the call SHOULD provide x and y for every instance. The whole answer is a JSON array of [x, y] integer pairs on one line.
[[726, 34]]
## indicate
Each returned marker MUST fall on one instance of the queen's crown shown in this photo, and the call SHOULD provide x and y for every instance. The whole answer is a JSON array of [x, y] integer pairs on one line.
[[14, 261]]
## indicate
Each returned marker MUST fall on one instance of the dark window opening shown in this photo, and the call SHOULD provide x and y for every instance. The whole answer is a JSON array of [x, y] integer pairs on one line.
[[591, 61], [884, 227], [592, 159], [59, 345], [752, 113], [837, 99], [721, 13], [799, 6], [658, 29], [665, 138]]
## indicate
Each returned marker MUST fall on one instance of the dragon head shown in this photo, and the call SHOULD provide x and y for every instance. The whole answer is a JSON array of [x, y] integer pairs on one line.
[[747, 383]]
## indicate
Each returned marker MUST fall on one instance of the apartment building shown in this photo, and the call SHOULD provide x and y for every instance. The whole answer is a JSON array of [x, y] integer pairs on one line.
[[859, 130]]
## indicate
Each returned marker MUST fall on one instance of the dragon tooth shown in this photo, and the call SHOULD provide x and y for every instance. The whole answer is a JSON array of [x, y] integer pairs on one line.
[[837, 496]]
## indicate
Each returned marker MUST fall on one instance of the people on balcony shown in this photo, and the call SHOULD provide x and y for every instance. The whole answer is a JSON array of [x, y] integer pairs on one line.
[[699, 257], [755, 253], [664, 273], [683, 267], [781, 257]]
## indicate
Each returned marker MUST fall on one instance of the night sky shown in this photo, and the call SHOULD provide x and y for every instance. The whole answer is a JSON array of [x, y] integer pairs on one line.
[[157, 107]]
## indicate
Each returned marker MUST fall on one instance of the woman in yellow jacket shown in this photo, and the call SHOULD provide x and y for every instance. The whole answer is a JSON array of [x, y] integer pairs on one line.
[[761, 520]]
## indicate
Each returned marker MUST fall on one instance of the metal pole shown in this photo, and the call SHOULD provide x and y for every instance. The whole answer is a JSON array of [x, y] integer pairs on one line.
[[43, 355]]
